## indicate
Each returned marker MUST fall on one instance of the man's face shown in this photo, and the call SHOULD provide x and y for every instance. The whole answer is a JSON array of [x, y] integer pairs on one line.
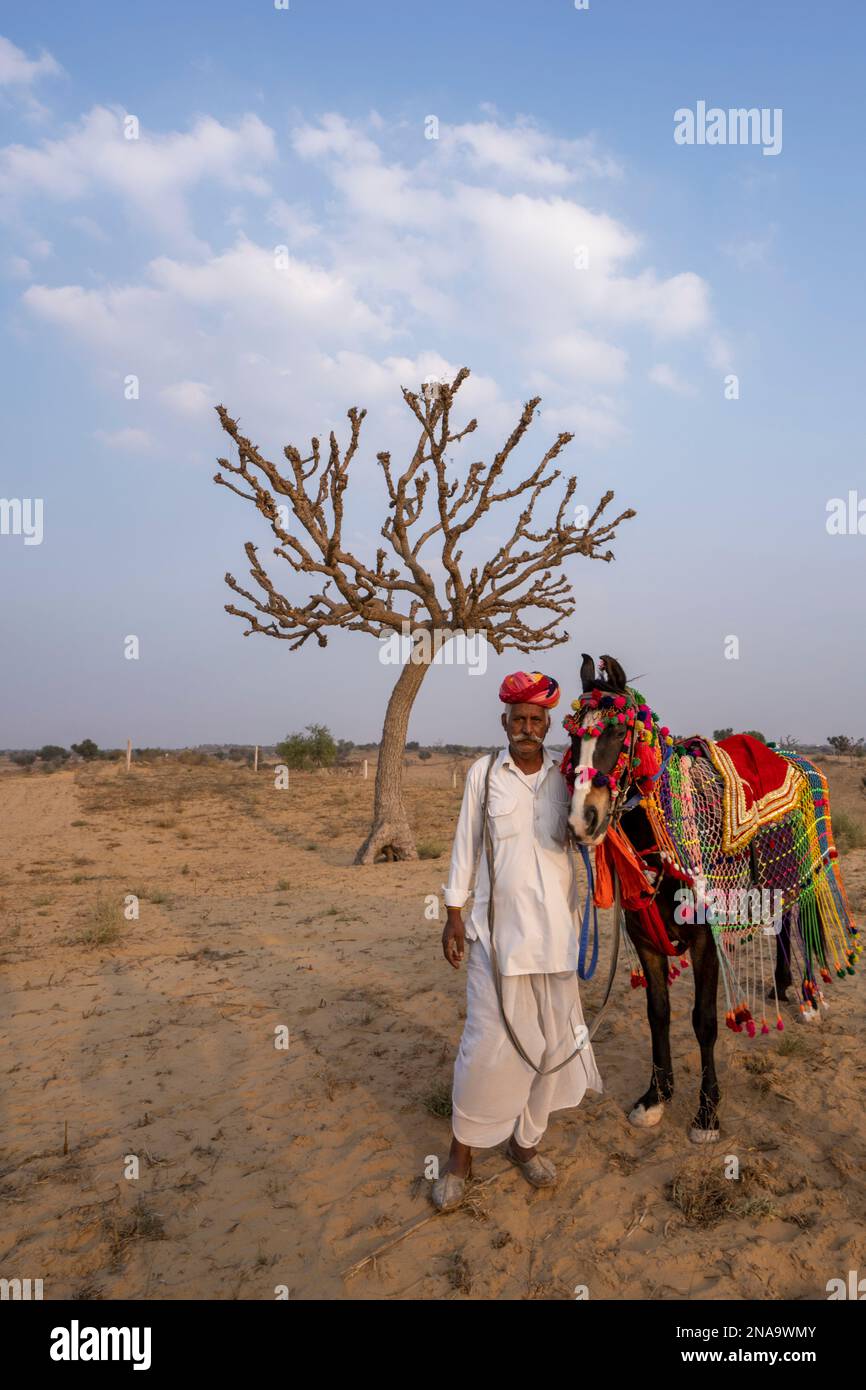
[[526, 727]]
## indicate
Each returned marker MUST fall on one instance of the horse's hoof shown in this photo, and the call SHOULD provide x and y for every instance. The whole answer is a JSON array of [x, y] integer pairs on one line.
[[644, 1117], [704, 1136]]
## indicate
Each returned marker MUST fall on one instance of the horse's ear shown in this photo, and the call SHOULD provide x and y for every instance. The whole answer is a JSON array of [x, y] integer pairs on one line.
[[587, 672], [614, 672]]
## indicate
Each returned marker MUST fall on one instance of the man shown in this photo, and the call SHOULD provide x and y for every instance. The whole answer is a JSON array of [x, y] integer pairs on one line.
[[497, 1095]]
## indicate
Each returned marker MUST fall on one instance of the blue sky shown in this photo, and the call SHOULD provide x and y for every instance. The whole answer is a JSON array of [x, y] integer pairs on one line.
[[306, 129]]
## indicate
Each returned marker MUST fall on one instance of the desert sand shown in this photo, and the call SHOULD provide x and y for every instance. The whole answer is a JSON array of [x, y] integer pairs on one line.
[[263, 1167]]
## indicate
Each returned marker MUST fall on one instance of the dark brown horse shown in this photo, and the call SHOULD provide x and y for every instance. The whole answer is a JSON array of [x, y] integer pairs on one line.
[[592, 809]]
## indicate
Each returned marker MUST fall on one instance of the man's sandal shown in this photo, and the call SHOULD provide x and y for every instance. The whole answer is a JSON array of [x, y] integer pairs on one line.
[[537, 1170], [449, 1190]]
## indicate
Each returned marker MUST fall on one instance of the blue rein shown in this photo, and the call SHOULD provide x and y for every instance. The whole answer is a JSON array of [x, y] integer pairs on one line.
[[582, 971]]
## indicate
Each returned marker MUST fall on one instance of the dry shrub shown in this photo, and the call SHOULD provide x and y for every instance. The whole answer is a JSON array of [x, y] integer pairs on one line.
[[705, 1196], [102, 926], [702, 1192]]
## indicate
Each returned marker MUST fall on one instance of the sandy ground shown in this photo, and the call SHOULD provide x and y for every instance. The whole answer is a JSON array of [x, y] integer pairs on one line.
[[262, 1167]]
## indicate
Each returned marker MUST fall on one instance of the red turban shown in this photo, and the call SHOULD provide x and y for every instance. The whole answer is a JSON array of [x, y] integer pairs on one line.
[[529, 688]]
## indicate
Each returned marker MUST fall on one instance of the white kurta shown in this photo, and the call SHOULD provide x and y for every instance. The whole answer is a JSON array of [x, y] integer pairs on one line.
[[495, 1092], [536, 887]]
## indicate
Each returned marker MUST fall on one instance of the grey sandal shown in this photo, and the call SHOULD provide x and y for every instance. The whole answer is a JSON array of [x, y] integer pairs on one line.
[[537, 1170], [449, 1190]]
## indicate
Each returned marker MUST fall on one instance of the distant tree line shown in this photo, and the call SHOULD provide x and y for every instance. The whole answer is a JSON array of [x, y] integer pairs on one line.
[[53, 755]]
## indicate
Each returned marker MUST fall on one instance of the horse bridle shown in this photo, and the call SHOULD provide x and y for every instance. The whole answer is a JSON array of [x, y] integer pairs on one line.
[[620, 802]]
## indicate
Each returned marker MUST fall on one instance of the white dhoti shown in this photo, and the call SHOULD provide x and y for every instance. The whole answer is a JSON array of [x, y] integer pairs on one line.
[[495, 1092]]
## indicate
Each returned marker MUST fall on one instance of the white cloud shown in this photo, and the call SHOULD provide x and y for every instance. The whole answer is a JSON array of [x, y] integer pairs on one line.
[[582, 357], [272, 293], [397, 271], [151, 175], [664, 375], [524, 153], [719, 353], [334, 135], [17, 70], [189, 397]]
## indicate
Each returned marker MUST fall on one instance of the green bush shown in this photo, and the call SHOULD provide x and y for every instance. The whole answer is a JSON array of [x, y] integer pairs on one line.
[[86, 749], [316, 748], [53, 753]]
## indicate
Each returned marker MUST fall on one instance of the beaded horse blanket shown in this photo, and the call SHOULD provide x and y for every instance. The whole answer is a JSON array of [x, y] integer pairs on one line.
[[749, 831]]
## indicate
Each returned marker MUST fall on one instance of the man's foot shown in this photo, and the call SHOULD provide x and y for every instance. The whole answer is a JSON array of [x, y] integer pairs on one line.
[[448, 1189], [537, 1170]]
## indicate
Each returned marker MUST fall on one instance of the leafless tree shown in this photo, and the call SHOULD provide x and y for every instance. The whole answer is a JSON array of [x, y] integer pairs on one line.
[[381, 598]]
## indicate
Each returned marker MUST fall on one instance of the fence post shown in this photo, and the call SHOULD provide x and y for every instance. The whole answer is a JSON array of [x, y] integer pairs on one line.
[[128, 753]]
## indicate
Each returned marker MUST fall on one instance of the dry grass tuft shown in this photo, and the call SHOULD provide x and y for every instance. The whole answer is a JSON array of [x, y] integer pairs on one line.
[[102, 926], [702, 1192]]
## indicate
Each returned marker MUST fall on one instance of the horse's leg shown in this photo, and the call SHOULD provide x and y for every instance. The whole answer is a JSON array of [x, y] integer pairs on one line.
[[705, 964], [648, 1110], [783, 959]]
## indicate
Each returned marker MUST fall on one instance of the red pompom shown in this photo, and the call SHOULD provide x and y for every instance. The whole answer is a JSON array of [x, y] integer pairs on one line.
[[648, 761]]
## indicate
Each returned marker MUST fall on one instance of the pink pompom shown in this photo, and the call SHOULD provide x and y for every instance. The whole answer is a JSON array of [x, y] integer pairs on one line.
[[750, 1026], [780, 1026], [619, 702]]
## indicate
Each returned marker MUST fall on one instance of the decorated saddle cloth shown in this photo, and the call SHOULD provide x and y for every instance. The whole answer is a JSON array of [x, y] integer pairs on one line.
[[760, 787]]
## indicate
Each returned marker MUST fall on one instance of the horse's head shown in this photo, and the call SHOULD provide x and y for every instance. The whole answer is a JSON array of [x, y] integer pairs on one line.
[[615, 741]]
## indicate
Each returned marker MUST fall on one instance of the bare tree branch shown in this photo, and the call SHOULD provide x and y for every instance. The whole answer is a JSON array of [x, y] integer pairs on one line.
[[523, 575]]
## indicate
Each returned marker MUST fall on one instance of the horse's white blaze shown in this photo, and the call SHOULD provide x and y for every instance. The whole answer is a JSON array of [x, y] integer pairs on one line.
[[582, 785]]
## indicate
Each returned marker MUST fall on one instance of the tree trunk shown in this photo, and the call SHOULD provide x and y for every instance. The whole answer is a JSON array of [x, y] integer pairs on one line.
[[390, 836]]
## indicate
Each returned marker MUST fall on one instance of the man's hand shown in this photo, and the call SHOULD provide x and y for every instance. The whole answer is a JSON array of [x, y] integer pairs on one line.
[[453, 938]]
